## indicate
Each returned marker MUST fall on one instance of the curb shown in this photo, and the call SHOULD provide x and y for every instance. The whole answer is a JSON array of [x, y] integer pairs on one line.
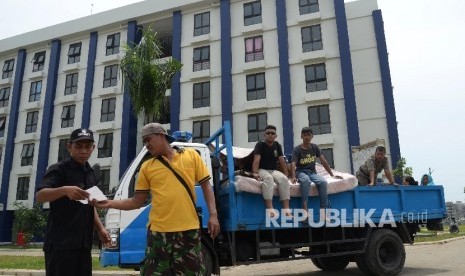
[[439, 242], [26, 272]]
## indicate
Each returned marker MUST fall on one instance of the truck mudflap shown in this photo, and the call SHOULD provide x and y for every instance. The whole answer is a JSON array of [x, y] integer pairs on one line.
[[209, 256], [109, 258]]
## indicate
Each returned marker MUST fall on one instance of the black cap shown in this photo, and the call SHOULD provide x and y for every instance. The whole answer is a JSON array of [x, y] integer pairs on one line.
[[81, 134], [306, 130]]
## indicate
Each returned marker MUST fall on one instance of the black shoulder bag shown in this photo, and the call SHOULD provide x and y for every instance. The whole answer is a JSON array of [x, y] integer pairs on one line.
[[183, 182]]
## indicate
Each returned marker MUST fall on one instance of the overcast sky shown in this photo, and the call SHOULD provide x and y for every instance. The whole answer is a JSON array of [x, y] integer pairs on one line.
[[425, 43]]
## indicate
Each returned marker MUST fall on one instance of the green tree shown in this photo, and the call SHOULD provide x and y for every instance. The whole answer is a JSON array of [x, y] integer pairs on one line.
[[31, 221], [147, 75], [401, 169]]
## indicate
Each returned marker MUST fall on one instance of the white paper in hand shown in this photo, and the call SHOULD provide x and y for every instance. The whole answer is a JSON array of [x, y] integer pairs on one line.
[[94, 193]]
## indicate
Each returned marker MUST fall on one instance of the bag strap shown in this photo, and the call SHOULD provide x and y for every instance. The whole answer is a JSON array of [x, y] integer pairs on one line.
[[181, 180]]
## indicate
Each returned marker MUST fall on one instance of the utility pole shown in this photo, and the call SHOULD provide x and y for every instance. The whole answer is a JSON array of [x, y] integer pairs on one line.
[[430, 171]]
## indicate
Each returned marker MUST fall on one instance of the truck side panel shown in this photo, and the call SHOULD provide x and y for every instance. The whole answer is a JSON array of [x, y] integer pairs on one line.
[[392, 202]]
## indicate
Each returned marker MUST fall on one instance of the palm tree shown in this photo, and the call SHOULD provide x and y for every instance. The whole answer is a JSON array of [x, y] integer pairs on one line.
[[147, 75]]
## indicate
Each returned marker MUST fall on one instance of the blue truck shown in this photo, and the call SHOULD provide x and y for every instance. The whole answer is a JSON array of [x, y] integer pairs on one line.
[[370, 224]]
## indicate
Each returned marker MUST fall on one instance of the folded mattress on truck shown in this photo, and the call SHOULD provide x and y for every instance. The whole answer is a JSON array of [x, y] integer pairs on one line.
[[243, 183], [251, 185]]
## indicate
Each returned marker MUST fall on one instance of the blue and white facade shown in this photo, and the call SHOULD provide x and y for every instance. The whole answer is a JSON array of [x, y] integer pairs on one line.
[[290, 63]]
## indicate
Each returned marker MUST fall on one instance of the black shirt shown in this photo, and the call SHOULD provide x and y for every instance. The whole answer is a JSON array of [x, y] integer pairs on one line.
[[268, 155], [305, 158], [70, 223]]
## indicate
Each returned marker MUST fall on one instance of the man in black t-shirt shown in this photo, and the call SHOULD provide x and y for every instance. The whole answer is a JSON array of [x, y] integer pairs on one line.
[[264, 168], [68, 240]]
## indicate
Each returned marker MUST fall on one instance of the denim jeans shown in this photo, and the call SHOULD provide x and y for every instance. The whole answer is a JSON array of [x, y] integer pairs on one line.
[[305, 177]]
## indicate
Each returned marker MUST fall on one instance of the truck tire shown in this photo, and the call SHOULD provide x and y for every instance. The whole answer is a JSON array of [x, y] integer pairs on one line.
[[385, 253], [332, 263], [207, 260], [316, 263], [362, 265], [454, 229]]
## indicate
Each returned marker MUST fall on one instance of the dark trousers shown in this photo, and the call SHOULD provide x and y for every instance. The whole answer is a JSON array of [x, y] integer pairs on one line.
[[76, 262]]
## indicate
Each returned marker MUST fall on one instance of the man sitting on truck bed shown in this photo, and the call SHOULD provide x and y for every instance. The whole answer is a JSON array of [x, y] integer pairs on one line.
[[368, 171], [303, 167], [264, 168], [173, 244]]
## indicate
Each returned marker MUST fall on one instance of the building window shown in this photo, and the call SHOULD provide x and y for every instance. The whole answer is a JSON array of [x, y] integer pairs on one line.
[[63, 152], [201, 131], [2, 126], [166, 46], [315, 77], [252, 13], [112, 45], [105, 145], [22, 190], [110, 76], [318, 119], [38, 61], [308, 6], [256, 87], [8, 67], [27, 154], [253, 48], [67, 116], [71, 83], [107, 112], [4, 96], [31, 121], [36, 89], [328, 154], [201, 58], [201, 94], [202, 23], [256, 124], [311, 38], [104, 183], [74, 53]]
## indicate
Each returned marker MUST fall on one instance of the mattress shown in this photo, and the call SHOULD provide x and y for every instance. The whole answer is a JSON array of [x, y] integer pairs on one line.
[[335, 185], [251, 185]]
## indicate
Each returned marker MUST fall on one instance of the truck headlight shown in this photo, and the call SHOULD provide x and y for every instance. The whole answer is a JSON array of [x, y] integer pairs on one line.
[[114, 237]]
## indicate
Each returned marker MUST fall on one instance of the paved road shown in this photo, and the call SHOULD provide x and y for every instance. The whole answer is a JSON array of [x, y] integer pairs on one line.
[[422, 259], [444, 259]]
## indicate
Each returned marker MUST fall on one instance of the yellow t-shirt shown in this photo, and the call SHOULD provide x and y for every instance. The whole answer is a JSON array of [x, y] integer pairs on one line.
[[172, 209]]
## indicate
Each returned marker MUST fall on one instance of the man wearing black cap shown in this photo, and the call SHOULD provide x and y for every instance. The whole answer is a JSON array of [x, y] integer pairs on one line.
[[68, 240], [173, 243], [303, 167]]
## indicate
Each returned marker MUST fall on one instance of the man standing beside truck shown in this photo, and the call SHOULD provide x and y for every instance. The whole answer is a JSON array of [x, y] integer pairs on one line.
[[70, 225], [174, 238]]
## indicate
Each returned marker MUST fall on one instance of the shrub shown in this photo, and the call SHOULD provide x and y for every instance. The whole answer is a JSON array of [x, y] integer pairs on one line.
[[31, 221]]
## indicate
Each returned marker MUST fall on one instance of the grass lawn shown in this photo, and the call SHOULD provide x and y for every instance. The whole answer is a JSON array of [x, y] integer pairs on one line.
[[37, 263], [430, 236]]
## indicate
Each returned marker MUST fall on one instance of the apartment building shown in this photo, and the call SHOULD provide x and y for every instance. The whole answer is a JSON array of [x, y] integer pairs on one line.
[[290, 63]]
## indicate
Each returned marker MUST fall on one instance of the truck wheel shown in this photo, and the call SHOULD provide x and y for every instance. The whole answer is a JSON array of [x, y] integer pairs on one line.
[[207, 260], [385, 253], [454, 229], [332, 263], [362, 265], [316, 263]]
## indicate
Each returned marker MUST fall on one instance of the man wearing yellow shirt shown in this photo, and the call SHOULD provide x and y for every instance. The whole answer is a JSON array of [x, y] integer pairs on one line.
[[173, 245]]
